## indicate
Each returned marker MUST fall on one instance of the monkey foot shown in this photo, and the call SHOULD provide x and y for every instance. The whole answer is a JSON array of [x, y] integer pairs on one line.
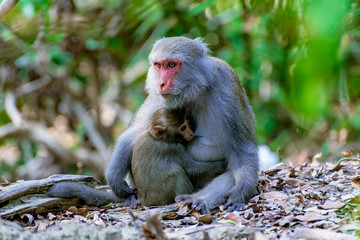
[[194, 202], [232, 206], [133, 201]]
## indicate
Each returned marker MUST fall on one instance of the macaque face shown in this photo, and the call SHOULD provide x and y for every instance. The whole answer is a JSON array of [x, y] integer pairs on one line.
[[167, 70], [185, 131]]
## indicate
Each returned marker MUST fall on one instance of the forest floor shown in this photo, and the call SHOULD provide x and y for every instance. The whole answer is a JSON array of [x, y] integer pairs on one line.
[[316, 200]]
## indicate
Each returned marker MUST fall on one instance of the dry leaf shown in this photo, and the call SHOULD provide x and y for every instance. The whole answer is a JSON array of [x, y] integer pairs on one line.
[[206, 218], [184, 210], [348, 153], [316, 157], [285, 220], [98, 221], [235, 218], [311, 216], [43, 225], [274, 195], [293, 182], [292, 173], [355, 182], [51, 216], [81, 211], [301, 198], [152, 228], [328, 204], [170, 216]]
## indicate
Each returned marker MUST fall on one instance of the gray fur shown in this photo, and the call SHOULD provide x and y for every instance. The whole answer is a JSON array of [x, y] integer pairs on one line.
[[88, 195], [210, 89]]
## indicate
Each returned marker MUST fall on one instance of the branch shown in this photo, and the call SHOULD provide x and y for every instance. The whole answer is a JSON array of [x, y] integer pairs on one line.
[[93, 134], [37, 133], [338, 165], [12, 110], [6, 6]]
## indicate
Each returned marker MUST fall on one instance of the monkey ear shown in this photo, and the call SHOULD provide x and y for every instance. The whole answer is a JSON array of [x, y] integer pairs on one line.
[[159, 131]]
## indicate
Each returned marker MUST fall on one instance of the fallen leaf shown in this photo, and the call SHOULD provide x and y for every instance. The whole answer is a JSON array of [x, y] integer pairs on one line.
[[293, 182], [316, 157], [348, 153], [206, 218], [43, 225], [311, 216], [355, 182], [292, 173], [170, 216], [274, 195], [98, 221], [337, 167], [235, 218], [249, 213], [265, 184], [184, 210], [325, 188], [51, 216], [79, 211], [328, 204], [272, 172], [285, 220], [317, 196], [301, 198], [152, 228]]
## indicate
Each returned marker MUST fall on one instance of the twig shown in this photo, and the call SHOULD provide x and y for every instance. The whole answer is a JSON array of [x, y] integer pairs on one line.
[[345, 159], [37, 133], [33, 86], [12, 110], [94, 135], [6, 6]]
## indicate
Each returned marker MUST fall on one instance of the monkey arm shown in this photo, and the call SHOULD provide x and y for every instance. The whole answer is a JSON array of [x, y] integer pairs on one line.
[[243, 165], [120, 163]]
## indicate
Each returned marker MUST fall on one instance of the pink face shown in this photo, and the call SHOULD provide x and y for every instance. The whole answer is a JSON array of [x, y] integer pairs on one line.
[[167, 70]]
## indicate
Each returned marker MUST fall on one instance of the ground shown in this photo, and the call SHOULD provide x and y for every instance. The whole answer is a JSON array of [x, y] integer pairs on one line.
[[315, 200]]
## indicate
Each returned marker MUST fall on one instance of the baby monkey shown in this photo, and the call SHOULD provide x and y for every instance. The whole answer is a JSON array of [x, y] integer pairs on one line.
[[159, 158]]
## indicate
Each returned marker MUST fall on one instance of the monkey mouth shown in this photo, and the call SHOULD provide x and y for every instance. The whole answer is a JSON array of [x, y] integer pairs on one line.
[[167, 95]]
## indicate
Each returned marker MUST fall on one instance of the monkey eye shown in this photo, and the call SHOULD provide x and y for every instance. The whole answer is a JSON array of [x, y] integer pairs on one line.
[[158, 65], [182, 128], [172, 64]]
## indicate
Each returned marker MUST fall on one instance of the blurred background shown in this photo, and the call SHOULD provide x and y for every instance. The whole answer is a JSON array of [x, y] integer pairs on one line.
[[72, 74]]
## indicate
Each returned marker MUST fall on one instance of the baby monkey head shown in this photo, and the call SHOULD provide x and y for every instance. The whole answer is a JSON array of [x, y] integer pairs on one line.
[[172, 126]]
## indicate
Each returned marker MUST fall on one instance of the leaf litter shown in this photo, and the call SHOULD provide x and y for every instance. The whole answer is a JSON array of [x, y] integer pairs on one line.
[[292, 201]]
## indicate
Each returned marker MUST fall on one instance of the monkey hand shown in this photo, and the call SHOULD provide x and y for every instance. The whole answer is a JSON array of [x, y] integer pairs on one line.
[[133, 201], [121, 189], [197, 203], [232, 205]]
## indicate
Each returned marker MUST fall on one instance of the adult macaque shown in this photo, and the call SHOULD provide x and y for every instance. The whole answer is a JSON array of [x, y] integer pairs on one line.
[[159, 158], [182, 75]]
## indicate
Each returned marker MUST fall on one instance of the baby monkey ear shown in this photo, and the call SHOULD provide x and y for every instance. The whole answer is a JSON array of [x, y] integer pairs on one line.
[[159, 132]]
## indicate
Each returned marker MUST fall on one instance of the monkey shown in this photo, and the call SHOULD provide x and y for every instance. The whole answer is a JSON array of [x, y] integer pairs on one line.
[[182, 74], [158, 162], [159, 156]]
